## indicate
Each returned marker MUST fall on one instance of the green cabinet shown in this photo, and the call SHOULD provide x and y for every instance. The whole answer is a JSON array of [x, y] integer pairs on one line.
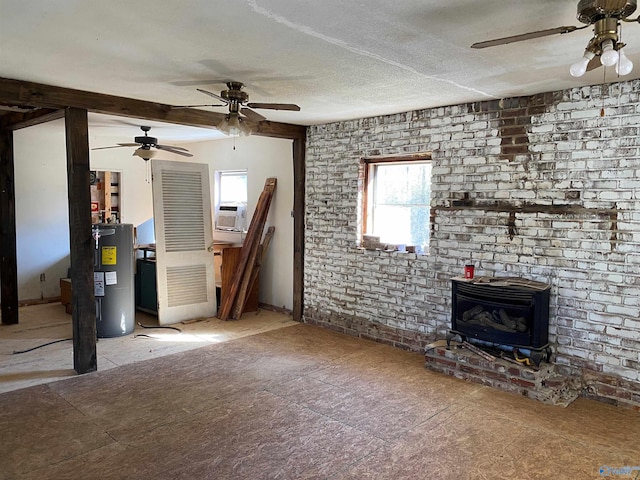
[[146, 293]]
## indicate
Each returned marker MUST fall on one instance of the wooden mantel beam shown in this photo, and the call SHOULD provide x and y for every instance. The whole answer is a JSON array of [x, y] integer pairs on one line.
[[29, 94]]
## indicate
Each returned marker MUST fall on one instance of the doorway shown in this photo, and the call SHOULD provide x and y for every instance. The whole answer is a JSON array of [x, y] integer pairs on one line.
[[106, 200]]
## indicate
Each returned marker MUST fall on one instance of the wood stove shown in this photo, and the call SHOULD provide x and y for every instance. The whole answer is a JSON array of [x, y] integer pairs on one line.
[[508, 311]]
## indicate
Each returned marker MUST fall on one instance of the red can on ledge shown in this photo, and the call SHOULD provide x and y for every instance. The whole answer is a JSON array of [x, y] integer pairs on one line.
[[468, 271]]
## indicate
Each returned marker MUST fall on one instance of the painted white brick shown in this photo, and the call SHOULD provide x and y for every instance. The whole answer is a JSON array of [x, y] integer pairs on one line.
[[626, 373], [608, 359], [594, 270], [634, 324], [623, 333]]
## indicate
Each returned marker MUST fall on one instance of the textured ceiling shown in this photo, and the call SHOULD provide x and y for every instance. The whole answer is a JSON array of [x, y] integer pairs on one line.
[[337, 59]]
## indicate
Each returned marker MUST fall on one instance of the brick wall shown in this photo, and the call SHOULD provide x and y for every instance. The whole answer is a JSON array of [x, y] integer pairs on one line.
[[553, 193]]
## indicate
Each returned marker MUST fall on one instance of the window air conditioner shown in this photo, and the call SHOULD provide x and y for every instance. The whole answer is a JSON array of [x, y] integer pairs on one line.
[[231, 217]]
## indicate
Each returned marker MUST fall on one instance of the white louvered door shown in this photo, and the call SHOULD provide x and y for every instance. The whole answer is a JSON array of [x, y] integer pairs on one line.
[[184, 237]]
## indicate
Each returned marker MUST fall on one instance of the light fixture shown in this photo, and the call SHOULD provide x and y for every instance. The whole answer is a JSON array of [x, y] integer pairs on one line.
[[624, 65], [609, 56], [144, 153], [234, 125], [579, 68], [605, 44]]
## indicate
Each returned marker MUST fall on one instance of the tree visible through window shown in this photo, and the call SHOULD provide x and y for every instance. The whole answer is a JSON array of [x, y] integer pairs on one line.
[[398, 200]]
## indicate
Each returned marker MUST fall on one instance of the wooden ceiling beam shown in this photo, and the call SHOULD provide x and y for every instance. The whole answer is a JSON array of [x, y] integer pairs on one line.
[[18, 120], [279, 130], [30, 94]]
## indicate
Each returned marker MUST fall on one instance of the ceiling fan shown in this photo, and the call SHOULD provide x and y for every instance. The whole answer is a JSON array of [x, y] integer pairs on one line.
[[146, 143], [605, 45], [240, 109]]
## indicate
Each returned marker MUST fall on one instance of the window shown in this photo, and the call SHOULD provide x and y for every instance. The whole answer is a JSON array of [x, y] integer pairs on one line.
[[397, 200], [231, 199], [231, 186]]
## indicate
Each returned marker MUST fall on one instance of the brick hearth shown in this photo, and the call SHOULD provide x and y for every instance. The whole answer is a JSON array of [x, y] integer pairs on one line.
[[544, 384]]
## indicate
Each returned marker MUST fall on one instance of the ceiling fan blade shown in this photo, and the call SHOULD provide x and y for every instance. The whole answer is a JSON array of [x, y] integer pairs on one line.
[[194, 106], [104, 148], [594, 63], [117, 146], [164, 147], [177, 150], [527, 36], [251, 115], [206, 92], [275, 106], [193, 83]]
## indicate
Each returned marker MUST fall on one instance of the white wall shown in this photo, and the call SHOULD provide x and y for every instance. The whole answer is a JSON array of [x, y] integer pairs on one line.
[[42, 210], [263, 158], [135, 192], [42, 216]]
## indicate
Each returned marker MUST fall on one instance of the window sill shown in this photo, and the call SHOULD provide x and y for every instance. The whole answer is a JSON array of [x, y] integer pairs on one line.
[[393, 250]]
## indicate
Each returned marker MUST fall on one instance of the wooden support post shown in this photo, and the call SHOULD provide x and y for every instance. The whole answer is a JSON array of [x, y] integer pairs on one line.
[[299, 170], [82, 245], [8, 258]]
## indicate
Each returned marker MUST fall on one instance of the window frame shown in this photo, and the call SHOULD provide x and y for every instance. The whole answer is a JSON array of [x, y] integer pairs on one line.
[[217, 197], [367, 167], [219, 174]]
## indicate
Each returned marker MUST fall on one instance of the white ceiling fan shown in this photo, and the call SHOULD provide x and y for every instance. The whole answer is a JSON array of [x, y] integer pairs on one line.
[[604, 48]]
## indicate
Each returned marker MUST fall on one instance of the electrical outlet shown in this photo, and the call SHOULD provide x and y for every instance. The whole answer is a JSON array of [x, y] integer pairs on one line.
[[42, 277]]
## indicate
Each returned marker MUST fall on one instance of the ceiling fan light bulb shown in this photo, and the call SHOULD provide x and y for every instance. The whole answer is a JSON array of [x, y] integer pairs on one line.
[[609, 56], [624, 65], [579, 68]]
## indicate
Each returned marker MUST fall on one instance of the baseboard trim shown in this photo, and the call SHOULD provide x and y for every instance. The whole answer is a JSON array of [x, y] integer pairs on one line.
[[37, 301], [273, 308]]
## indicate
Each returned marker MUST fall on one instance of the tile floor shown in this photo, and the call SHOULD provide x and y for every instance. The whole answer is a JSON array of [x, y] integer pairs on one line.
[[297, 402]]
